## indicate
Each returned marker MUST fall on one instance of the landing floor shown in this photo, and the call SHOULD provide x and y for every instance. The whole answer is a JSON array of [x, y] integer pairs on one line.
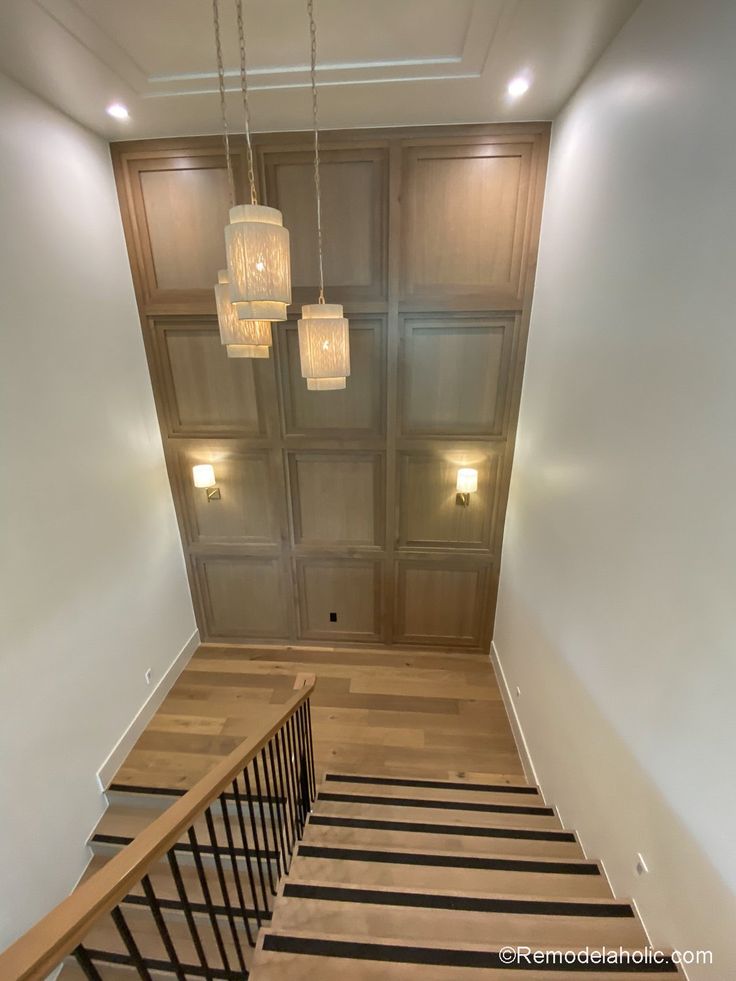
[[373, 711]]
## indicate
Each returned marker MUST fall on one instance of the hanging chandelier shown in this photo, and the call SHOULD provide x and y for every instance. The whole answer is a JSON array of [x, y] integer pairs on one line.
[[324, 338], [242, 338], [256, 241]]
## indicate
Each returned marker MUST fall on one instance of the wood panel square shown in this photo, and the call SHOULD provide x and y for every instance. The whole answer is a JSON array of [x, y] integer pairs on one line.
[[243, 596], [336, 498], [441, 603], [353, 185], [186, 212], [356, 410], [339, 599], [245, 512], [455, 375], [429, 516], [465, 212], [206, 392]]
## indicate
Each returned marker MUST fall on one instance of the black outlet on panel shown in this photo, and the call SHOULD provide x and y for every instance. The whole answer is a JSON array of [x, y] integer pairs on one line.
[[333, 617]]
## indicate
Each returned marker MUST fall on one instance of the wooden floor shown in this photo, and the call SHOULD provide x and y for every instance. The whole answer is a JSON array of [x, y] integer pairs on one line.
[[373, 711]]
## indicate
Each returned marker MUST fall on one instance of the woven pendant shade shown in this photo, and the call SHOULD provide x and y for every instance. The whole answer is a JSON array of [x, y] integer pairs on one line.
[[257, 247], [252, 338], [324, 346]]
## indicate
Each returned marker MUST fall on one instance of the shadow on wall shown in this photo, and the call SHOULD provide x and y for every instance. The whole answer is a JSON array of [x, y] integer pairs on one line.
[[590, 773]]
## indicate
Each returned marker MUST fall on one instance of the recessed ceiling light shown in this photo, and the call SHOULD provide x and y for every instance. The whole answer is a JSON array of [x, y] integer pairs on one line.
[[117, 110], [517, 86]]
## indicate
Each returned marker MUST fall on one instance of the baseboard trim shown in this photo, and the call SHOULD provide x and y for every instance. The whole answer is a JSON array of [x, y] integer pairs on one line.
[[146, 712], [519, 738]]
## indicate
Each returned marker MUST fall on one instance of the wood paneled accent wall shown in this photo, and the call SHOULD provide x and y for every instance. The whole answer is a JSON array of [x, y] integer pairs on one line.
[[343, 503]]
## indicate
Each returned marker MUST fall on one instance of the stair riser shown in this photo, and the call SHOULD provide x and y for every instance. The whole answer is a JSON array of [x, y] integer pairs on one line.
[[432, 793], [477, 819], [461, 926], [420, 841], [460, 879], [276, 966]]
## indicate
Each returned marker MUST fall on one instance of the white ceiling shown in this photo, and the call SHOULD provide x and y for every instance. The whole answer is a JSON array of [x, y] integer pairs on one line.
[[381, 62]]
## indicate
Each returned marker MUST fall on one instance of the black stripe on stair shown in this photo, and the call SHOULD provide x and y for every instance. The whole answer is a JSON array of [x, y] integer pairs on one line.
[[442, 957], [444, 805], [527, 834], [434, 784], [185, 847], [448, 861], [124, 788], [466, 904]]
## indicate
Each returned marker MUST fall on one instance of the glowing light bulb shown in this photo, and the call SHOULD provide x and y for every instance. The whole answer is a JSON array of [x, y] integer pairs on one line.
[[518, 86]]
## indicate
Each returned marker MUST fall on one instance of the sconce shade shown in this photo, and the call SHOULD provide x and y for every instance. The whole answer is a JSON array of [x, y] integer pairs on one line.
[[324, 346], [233, 330], [204, 475], [257, 246], [467, 480]]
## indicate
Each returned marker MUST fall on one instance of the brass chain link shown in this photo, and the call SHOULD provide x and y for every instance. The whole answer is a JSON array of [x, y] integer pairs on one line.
[[317, 188], [246, 107], [223, 108]]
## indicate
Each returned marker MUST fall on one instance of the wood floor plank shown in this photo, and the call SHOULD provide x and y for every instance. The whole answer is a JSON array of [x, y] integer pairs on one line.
[[412, 713]]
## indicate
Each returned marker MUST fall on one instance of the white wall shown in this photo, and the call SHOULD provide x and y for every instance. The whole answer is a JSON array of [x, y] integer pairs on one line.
[[93, 584], [617, 608]]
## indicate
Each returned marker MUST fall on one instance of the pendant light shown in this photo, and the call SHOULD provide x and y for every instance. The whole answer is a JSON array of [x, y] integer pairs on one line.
[[324, 342], [256, 241], [242, 338]]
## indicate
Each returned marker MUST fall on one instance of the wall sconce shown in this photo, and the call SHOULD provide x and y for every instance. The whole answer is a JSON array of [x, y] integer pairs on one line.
[[204, 476], [467, 484]]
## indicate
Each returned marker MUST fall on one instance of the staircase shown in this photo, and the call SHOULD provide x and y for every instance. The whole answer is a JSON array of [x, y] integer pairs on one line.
[[257, 872], [396, 878]]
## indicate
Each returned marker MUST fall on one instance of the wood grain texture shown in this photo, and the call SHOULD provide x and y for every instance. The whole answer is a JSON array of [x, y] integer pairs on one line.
[[373, 711], [431, 237]]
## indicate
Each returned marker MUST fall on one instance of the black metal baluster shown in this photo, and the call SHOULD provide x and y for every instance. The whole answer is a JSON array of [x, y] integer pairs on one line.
[[288, 805], [291, 729], [131, 946], [264, 822], [256, 842], [188, 915], [247, 851], [304, 794], [308, 797], [266, 902], [85, 964], [224, 890], [311, 748], [291, 750], [234, 864], [163, 930], [272, 811], [278, 795], [207, 896]]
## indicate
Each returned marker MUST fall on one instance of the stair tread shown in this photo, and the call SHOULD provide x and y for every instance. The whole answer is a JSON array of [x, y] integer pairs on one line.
[[334, 829], [304, 954], [395, 811], [435, 798], [515, 787], [446, 857], [449, 870]]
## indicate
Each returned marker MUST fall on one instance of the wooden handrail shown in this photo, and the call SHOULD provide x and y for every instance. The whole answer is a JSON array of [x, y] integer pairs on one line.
[[34, 955]]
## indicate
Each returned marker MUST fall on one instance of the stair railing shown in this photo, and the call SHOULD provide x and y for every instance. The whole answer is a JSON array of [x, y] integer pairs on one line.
[[186, 897]]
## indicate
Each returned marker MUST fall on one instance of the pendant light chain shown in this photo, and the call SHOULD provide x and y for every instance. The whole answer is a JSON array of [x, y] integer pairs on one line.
[[246, 107], [223, 108], [317, 189]]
